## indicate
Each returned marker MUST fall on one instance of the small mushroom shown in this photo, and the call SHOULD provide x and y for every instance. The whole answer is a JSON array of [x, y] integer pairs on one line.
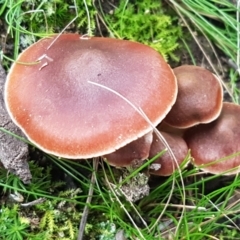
[[199, 97], [60, 109], [164, 127], [165, 165], [215, 146], [131, 154]]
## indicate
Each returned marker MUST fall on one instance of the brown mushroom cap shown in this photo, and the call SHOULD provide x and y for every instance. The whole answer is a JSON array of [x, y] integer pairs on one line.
[[164, 127], [133, 153], [166, 163], [209, 143], [63, 114], [199, 97]]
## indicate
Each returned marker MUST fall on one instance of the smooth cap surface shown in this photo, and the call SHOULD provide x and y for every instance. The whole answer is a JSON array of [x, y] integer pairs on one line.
[[167, 165], [131, 154], [199, 97], [211, 143], [62, 113]]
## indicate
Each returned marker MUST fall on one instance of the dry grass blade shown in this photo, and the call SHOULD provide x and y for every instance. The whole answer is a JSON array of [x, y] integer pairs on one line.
[[162, 139], [234, 200], [176, 8], [225, 215], [180, 206], [55, 39]]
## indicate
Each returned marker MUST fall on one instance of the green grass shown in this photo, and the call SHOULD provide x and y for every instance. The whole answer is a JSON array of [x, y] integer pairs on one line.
[[218, 22], [145, 21], [184, 205], [206, 212], [27, 21]]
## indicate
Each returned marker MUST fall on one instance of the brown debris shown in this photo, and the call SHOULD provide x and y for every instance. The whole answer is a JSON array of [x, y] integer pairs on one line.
[[13, 152]]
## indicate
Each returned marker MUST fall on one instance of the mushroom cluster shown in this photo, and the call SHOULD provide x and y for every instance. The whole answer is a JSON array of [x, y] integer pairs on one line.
[[81, 97], [209, 126]]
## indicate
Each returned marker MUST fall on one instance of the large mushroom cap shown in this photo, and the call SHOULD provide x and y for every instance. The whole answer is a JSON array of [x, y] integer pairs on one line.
[[199, 97], [65, 115], [213, 144]]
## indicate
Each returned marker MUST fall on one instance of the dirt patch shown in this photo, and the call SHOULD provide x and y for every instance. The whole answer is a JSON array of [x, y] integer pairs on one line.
[[13, 151]]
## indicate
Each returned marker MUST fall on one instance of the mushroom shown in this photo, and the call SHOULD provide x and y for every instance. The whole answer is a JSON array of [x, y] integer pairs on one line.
[[199, 97], [164, 127], [83, 96], [131, 154], [165, 165], [215, 146]]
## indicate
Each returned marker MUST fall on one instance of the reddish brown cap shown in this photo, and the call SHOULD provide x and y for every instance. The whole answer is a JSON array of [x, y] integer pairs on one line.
[[165, 164], [164, 127], [210, 143], [65, 115], [131, 154], [199, 97]]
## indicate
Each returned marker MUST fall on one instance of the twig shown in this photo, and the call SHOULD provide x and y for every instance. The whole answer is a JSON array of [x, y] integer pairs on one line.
[[89, 199], [35, 202]]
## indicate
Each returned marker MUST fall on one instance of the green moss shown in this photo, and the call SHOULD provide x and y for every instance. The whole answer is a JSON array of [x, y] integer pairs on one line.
[[52, 16], [49, 218], [30, 20], [144, 21]]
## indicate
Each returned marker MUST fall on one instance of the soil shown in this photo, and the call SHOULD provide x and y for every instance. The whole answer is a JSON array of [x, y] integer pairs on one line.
[[13, 151]]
